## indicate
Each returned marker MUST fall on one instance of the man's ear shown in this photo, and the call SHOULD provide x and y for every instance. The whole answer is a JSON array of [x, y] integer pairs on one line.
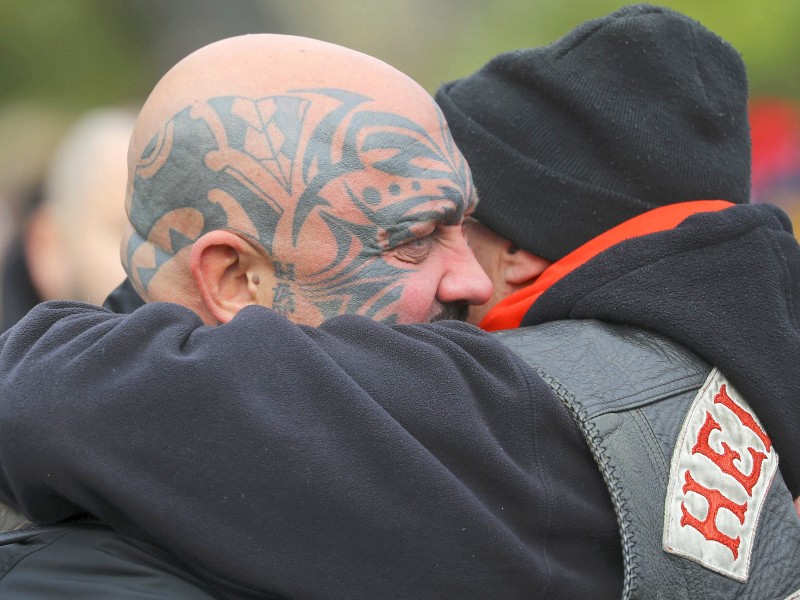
[[227, 270], [520, 267]]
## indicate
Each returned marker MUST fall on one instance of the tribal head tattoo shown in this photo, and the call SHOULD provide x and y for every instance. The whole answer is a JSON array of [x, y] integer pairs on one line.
[[266, 167]]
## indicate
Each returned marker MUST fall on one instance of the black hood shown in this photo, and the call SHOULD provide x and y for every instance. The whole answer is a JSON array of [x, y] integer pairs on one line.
[[725, 285]]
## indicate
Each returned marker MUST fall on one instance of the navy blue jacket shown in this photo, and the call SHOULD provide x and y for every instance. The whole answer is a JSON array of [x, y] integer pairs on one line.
[[357, 460]]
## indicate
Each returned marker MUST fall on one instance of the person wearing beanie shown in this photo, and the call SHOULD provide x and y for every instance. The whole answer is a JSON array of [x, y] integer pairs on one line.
[[575, 145], [581, 154], [633, 111], [619, 438]]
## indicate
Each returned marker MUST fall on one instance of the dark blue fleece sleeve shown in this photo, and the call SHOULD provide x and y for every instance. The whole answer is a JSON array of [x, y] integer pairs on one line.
[[353, 460]]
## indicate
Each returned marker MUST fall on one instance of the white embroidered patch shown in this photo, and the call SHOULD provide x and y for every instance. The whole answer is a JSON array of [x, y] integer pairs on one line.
[[794, 596], [721, 471]]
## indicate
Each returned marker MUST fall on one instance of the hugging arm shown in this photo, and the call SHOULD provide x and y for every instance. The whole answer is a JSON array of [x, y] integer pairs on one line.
[[345, 460]]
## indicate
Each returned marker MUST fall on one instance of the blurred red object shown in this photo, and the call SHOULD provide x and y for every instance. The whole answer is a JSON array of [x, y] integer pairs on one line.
[[775, 131]]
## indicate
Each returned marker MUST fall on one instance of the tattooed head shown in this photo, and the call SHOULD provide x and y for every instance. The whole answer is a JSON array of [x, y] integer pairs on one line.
[[333, 177]]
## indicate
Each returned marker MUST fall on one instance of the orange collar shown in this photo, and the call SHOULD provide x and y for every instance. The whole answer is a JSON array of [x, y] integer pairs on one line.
[[508, 313]]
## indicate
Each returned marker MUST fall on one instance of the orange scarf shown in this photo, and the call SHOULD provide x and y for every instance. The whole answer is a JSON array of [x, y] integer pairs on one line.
[[508, 313]]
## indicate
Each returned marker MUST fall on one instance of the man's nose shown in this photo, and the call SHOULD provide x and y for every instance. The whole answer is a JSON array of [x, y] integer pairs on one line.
[[464, 279]]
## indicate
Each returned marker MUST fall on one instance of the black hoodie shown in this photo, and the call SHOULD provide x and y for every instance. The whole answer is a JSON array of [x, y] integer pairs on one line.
[[357, 460]]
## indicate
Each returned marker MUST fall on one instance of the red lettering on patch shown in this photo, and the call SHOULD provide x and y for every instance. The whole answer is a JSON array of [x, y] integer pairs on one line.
[[721, 472], [708, 526], [744, 417], [724, 460]]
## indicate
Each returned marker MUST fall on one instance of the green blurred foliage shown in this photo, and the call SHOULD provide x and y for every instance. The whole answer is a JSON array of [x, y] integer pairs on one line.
[[79, 53], [69, 53], [438, 41]]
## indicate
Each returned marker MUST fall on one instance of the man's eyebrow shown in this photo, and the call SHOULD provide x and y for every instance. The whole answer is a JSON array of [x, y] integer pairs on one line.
[[445, 215], [452, 216], [404, 229]]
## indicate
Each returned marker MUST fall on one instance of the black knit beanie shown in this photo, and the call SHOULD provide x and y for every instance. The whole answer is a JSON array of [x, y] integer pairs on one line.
[[642, 108]]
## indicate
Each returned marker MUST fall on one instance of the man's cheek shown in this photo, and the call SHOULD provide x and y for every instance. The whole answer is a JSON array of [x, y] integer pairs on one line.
[[417, 302]]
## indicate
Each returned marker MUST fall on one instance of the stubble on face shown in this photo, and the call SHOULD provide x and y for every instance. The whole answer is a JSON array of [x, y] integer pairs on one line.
[[453, 311]]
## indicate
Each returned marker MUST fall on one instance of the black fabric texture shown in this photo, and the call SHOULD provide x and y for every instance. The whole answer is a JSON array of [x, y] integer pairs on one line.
[[91, 563], [359, 460], [353, 460], [123, 299], [635, 110], [18, 293], [725, 285]]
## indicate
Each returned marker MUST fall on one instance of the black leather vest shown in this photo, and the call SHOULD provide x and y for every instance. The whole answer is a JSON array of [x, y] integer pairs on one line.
[[702, 509]]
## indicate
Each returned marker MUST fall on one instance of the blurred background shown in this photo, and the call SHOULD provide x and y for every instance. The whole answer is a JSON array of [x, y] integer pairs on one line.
[[61, 60]]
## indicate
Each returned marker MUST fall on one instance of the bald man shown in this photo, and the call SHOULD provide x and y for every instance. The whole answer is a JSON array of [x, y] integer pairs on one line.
[[358, 460], [279, 172], [315, 188]]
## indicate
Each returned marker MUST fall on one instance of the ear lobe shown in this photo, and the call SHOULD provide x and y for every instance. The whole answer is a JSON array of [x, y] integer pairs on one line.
[[520, 266], [221, 262]]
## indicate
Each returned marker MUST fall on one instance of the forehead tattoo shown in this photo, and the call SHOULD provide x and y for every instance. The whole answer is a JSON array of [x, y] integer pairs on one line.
[[263, 166]]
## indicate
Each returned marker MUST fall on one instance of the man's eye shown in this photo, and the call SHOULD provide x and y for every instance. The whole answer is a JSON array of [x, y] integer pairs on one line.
[[414, 251]]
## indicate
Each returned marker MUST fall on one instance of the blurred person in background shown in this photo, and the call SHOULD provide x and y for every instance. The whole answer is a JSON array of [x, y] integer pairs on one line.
[[7, 225], [29, 135], [67, 246]]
